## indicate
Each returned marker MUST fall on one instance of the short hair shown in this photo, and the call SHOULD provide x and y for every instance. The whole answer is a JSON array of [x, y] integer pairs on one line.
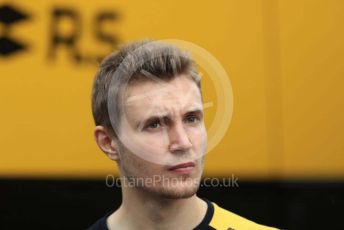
[[132, 63]]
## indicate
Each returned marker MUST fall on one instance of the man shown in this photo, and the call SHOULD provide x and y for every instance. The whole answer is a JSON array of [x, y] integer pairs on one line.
[[148, 110]]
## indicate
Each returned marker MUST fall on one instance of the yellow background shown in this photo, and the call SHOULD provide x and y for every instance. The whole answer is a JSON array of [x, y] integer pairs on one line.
[[284, 59]]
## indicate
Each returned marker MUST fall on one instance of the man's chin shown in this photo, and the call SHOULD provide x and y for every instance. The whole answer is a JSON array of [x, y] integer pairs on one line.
[[180, 191]]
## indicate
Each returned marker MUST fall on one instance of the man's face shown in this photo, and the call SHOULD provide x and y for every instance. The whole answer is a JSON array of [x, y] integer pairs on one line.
[[161, 128]]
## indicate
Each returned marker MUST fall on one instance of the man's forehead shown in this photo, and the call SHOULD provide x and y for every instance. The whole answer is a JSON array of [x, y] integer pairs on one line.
[[159, 103], [180, 89], [155, 99]]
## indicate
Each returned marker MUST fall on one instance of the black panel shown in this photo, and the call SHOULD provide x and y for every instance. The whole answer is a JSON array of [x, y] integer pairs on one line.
[[75, 204]]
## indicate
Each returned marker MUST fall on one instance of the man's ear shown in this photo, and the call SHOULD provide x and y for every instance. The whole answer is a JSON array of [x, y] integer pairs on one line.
[[108, 145]]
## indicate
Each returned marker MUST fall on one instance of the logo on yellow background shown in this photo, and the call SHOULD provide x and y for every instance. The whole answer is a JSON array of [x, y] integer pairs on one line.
[[64, 33], [9, 17]]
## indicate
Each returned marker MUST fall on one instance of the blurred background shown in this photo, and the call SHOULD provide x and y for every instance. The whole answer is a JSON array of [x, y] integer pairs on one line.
[[285, 142]]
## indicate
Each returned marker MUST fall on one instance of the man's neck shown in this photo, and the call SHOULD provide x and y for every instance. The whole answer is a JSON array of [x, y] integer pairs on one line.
[[143, 211]]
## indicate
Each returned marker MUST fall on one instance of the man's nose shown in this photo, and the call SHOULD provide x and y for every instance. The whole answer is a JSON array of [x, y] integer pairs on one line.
[[179, 139]]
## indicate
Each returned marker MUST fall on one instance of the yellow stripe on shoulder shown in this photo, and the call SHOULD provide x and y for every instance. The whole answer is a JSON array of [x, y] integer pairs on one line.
[[226, 220]]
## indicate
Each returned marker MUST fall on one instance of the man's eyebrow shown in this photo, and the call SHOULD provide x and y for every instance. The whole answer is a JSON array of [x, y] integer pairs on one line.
[[168, 117], [195, 111], [151, 117], [166, 114]]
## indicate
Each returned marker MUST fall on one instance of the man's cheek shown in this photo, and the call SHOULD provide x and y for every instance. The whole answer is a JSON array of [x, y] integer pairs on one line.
[[200, 139], [151, 151]]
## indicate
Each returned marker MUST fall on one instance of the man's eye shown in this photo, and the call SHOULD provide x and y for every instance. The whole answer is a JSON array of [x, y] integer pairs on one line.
[[153, 125], [192, 119]]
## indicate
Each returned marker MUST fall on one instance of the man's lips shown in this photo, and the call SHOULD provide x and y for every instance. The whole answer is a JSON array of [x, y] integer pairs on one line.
[[182, 166]]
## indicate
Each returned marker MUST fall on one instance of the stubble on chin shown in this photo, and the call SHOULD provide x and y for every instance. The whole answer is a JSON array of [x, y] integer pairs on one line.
[[169, 187]]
